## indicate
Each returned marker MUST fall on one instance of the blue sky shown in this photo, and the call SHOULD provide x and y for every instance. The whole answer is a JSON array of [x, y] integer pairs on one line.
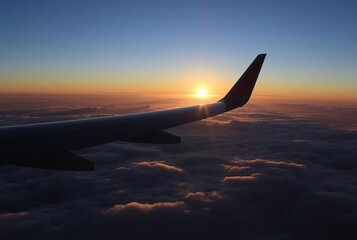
[[309, 43]]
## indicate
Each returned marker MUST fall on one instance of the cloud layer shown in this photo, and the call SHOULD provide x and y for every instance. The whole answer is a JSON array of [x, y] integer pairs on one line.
[[255, 173]]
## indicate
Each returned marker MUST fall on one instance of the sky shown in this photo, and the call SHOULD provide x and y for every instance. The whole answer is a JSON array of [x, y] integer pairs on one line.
[[178, 46], [281, 167]]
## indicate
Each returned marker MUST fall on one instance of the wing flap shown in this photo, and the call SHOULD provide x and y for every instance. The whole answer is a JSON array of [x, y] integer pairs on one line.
[[160, 137]]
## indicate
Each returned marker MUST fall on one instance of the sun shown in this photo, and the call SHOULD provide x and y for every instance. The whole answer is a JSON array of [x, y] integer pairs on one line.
[[201, 93]]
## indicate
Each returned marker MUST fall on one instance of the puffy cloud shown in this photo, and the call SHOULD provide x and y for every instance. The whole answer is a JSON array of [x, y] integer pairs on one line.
[[240, 179], [196, 195], [232, 168], [144, 207], [261, 162], [157, 165], [205, 197]]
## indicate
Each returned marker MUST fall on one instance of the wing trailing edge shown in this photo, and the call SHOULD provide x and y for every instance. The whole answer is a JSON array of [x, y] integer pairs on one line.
[[64, 161]]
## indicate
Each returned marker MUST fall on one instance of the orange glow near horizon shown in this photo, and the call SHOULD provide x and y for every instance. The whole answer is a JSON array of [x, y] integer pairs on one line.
[[179, 84]]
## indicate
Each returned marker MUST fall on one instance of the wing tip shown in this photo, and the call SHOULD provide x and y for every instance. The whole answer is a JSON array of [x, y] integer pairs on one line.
[[240, 93]]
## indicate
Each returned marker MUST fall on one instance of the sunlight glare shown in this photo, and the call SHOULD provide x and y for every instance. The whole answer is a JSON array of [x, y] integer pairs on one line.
[[201, 93]]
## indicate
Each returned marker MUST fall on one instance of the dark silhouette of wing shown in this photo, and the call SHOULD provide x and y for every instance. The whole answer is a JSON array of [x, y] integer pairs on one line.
[[48, 145]]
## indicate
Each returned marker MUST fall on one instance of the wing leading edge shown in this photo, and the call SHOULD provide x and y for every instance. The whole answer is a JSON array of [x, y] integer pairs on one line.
[[48, 145]]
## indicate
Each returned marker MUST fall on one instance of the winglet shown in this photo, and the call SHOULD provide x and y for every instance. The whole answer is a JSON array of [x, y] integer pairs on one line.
[[241, 91]]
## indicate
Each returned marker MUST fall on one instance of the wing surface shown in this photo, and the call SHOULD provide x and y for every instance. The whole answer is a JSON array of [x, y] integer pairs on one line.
[[22, 144]]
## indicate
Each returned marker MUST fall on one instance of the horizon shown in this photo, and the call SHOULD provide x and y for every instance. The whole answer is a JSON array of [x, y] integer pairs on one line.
[[72, 47]]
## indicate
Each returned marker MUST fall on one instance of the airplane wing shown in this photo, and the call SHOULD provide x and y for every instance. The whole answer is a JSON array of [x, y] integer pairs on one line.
[[49, 145]]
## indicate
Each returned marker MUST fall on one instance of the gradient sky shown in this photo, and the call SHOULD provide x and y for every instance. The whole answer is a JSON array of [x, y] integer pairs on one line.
[[178, 46]]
